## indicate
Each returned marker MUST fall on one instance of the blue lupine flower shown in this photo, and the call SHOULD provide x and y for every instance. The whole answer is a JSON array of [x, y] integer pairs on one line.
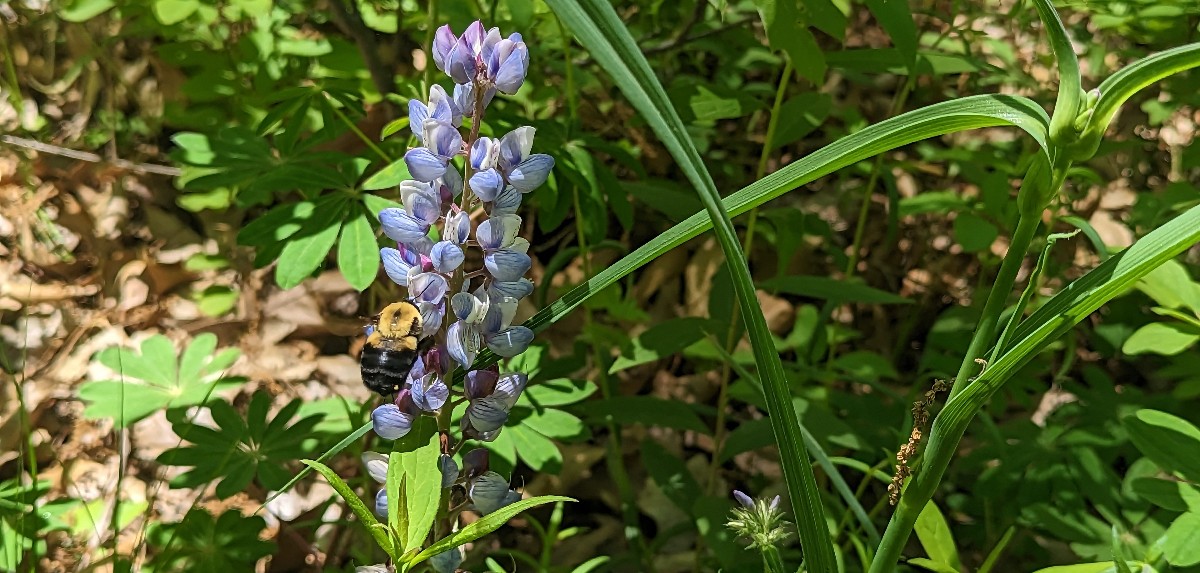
[[441, 107], [449, 470], [442, 142], [490, 492], [393, 421], [377, 465], [381, 503], [447, 561], [483, 300]]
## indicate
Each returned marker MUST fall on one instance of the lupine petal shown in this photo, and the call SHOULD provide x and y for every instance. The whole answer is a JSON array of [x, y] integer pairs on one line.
[[430, 392], [449, 470], [475, 463], [446, 257], [431, 317], [493, 321], [377, 465], [498, 232], [381, 503], [395, 266], [452, 185], [390, 423], [512, 72], [510, 341], [481, 383], [421, 201], [464, 96], [462, 343], [401, 227], [418, 112], [428, 287], [515, 146], [531, 173], [442, 107], [458, 227], [484, 153], [460, 63], [487, 492], [447, 561], [378, 568], [508, 310], [507, 201], [487, 184], [510, 386], [423, 164], [746, 501], [487, 414], [517, 289], [507, 265], [442, 139], [443, 42]]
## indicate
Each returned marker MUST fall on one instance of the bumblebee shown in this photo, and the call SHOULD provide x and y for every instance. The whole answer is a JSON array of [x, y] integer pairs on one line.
[[393, 344]]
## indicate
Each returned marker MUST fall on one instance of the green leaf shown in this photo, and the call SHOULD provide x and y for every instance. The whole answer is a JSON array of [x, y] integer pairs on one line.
[[1117, 88], [1171, 286], [935, 120], [896, 19], [1172, 442], [278, 224], [787, 31], [484, 526], [556, 424], [557, 392], [1070, 90], [358, 252], [1164, 338], [935, 537], [1104, 567], [931, 565], [171, 12], [216, 300], [413, 466], [389, 176], [663, 340], [360, 509], [974, 233], [1181, 542], [307, 249], [838, 291], [799, 116], [84, 10], [535, 449], [1168, 494], [155, 378]]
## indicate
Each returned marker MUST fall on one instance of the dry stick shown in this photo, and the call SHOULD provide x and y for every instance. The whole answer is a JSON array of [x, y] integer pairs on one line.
[[91, 157]]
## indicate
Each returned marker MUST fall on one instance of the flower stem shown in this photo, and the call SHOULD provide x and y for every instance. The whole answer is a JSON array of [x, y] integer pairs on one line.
[[354, 128]]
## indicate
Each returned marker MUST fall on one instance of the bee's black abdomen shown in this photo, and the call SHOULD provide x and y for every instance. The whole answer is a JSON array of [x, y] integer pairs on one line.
[[385, 371]]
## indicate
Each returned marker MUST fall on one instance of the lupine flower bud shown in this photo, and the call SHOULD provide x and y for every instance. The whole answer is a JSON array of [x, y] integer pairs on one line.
[[377, 465]]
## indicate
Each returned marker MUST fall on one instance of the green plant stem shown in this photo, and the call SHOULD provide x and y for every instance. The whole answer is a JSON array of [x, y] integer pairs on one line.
[[354, 128], [432, 14], [733, 335], [951, 423], [985, 330], [772, 561]]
